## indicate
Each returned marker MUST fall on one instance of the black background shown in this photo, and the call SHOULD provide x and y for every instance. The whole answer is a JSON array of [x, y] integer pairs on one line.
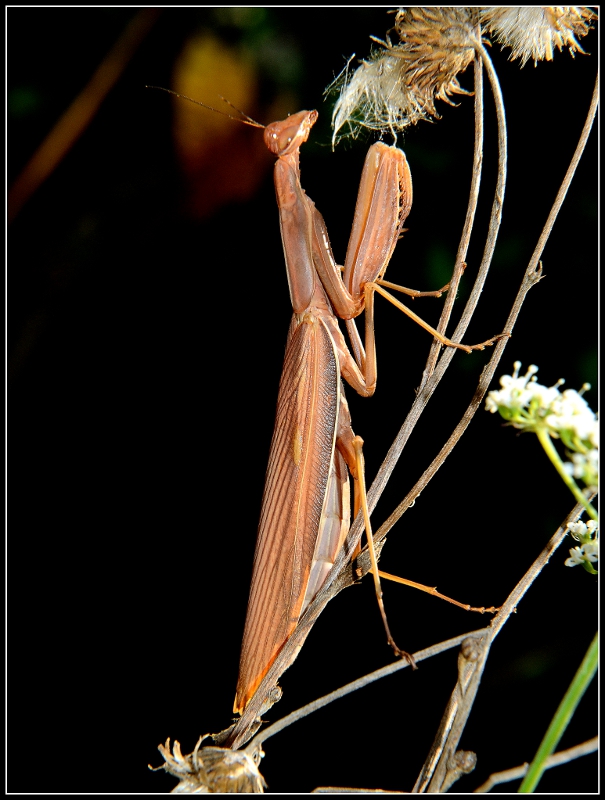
[[145, 347]]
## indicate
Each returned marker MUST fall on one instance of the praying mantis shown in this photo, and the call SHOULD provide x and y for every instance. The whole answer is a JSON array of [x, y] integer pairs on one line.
[[305, 513]]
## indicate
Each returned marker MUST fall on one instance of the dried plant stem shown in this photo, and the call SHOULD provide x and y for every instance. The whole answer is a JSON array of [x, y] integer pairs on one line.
[[439, 769], [468, 221], [354, 686], [562, 757], [532, 573], [496, 213]]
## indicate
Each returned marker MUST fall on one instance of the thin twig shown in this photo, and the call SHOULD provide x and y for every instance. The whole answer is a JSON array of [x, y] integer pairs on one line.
[[496, 213], [436, 773], [469, 220], [562, 757], [532, 573], [354, 686]]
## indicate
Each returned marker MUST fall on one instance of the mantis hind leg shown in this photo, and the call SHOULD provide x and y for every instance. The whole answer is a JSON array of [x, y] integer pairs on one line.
[[433, 591]]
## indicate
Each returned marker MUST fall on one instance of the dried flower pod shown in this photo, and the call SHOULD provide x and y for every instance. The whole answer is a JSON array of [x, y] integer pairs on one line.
[[398, 86], [534, 31], [436, 45], [211, 770]]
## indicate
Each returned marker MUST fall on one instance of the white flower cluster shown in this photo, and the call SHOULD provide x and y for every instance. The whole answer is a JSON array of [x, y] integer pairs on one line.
[[514, 393], [549, 413], [528, 405], [587, 552]]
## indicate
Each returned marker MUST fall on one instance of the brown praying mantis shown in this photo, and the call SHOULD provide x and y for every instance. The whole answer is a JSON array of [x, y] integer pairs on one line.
[[305, 513]]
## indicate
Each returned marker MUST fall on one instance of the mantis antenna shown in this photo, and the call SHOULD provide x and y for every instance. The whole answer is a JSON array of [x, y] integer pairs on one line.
[[246, 119]]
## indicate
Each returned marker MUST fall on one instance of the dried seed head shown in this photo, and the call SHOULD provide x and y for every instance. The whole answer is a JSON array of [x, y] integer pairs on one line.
[[436, 45], [399, 84], [211, 770], [534, 31]]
